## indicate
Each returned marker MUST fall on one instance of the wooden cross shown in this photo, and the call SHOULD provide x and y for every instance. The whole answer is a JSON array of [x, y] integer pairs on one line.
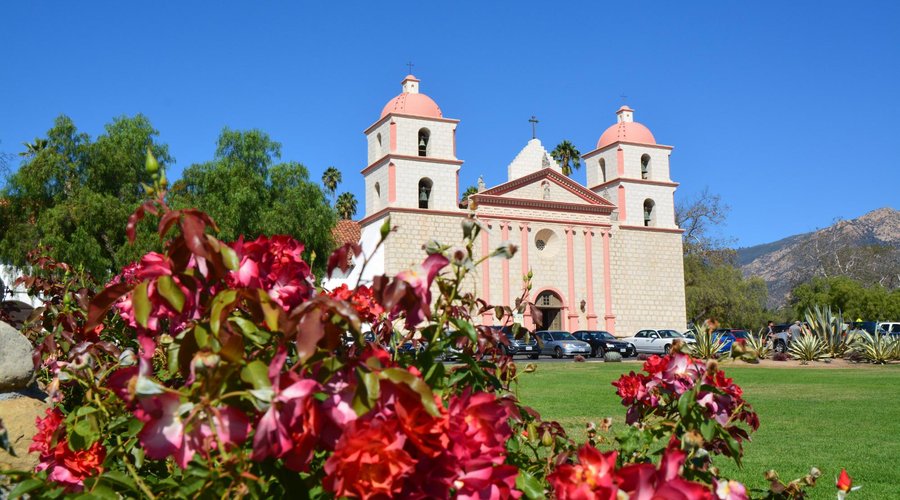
[[410, 67], [533, 122]]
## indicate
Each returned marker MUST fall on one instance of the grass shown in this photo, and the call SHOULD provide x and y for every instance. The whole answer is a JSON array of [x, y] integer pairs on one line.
[[827, 418]]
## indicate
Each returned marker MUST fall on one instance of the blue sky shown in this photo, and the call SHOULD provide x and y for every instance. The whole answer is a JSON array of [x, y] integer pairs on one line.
[[788, 110]]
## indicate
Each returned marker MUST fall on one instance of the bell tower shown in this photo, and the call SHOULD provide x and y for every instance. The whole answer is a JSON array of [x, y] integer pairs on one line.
[[631, 170], [412, 159]]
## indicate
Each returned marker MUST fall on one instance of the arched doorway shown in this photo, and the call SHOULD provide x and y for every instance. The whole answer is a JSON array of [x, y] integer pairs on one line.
[[550, 304]]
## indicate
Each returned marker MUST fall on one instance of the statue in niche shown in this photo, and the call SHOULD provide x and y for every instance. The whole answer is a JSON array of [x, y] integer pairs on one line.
[[546, 190], [481, 186]]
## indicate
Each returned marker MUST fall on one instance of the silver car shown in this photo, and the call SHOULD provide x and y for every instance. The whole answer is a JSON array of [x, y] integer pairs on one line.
[[560, 344], [656, 341]]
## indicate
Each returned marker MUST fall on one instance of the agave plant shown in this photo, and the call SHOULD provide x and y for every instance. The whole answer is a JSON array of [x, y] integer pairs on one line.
[[808, 347], [829, 327], [706, 344], [758, 345], [876, 348]]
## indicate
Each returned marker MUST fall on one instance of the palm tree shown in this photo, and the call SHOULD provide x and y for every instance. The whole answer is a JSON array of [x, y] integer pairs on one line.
[[566, 153], [468, 192], [35, 147], [346, 206], [330, 179]]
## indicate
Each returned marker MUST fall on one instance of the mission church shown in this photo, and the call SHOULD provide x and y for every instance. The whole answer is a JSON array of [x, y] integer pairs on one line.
[[604, 256]]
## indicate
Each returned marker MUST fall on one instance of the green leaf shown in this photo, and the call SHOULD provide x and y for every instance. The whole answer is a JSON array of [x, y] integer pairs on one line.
[[385, 228], [170, 291], [141, 304], [222, 300], [465, 327], [251, 331], [366, 391], [119, 478], [684, 403], [26, 486], [256, 373], [401, 376], [229, 257], [529, 485], [708, 429]]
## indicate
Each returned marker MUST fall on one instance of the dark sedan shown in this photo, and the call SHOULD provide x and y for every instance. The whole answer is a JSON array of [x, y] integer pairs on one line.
[[517, 341], [603, 342]]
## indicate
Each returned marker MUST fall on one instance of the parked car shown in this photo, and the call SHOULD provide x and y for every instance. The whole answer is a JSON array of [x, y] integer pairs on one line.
[[560, 344], [521, 341], [602, 342], [729, 336], [656, 341], [871, 327], [890, 327]]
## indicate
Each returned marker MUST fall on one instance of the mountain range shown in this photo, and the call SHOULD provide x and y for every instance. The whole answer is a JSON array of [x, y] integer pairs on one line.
[[866, 248]]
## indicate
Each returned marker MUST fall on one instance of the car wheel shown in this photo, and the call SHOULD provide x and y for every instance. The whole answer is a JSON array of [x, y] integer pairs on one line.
[[557, 353], [668, 348], [779, 346], [600, 352]]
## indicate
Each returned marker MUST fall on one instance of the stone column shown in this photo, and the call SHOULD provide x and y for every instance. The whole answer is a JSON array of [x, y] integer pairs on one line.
[[486, 271], [572, 323], [504, 237], [609, 317], [589, 278]]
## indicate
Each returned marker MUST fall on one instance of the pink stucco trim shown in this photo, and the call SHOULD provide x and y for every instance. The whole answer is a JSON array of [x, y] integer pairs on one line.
[[635, 181], [652, 229], [390, 156], [486, 276], [622, 212], [559, 206], [607, 286], [552, 175], [620, 162], [570, 266], [595, 152], [504, 237], [387, 210], [589, 278], [392, 183], [402, 115], [393, 136]]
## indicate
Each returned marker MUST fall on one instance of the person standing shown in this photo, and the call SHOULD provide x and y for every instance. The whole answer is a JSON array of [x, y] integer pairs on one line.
[[795, 330]]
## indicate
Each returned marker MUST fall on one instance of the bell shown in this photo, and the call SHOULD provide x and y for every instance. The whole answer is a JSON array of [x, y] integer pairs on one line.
[[422, 142], [423, 196]]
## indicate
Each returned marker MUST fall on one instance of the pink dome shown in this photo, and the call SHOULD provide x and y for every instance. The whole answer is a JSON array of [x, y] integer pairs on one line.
[[412, 104], [626, 132]]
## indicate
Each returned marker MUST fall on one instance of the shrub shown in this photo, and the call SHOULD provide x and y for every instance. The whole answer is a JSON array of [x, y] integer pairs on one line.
[[781, 356], [612, 357], [808, 348], [643, 356], [758, 346], [877, 348], [829, 328], [706, 345], [219, 370]]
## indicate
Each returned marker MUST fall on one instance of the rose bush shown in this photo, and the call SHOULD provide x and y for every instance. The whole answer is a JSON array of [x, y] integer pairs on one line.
[[217, 369]]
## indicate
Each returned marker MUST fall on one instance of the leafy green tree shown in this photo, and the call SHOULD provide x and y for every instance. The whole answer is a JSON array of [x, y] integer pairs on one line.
[[717, 289], [330, 179], [841, 293], [346, 206], [249, 195], [568, 157], [75, 195]]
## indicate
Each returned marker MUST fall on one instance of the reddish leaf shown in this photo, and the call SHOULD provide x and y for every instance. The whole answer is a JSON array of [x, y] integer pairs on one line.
[[101, 303], [166, 222], [136, 217], [194, 230], [339, 259]]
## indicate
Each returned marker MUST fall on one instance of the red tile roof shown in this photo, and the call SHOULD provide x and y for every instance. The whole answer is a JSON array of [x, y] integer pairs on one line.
[[346, 231]]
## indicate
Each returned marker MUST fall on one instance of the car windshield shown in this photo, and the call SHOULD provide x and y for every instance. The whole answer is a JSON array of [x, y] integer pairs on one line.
[[670, 334], [563, 336], [605, 336]]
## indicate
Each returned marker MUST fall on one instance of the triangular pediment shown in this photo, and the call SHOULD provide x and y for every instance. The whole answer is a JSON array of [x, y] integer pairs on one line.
[[545, 189]]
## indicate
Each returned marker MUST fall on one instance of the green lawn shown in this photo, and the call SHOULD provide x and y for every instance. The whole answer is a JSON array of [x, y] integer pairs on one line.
[[826, 418]]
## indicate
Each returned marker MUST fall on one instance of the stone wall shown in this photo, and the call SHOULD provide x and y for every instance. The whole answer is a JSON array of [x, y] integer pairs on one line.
[[648, 280]]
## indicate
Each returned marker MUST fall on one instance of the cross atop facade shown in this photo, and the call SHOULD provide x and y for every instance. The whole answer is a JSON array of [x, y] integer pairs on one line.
[[534, 122], [623, 96], [410, 67]]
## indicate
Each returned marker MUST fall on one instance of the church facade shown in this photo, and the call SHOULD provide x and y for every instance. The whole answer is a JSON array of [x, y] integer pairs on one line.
[[604, 256]]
